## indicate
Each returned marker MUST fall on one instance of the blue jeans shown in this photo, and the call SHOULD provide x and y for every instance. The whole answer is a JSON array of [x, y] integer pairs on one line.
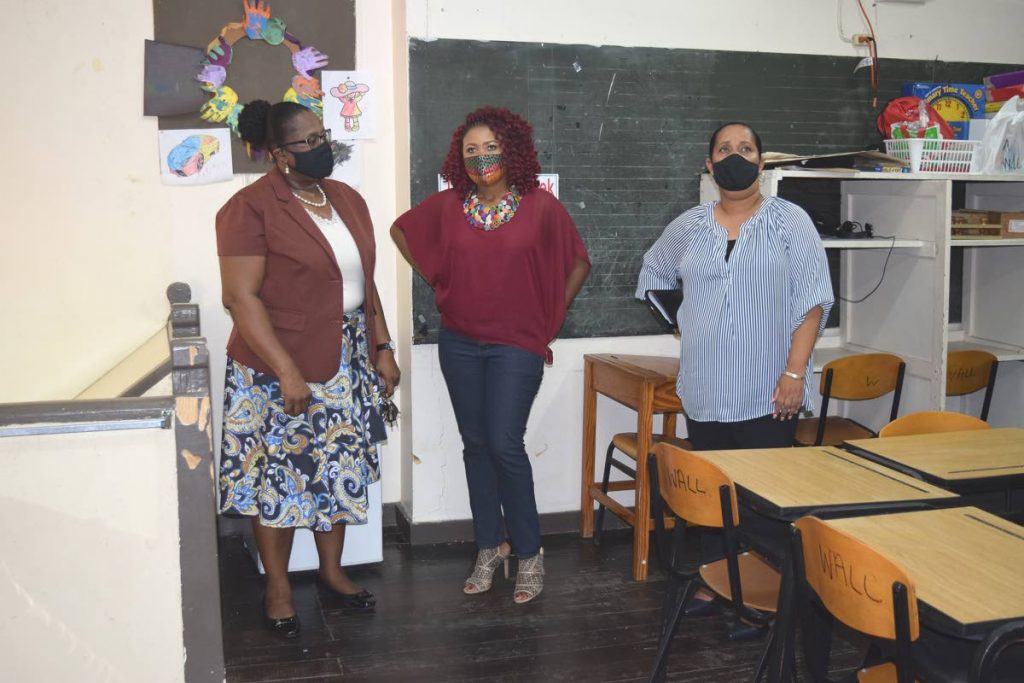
[[492, 388]]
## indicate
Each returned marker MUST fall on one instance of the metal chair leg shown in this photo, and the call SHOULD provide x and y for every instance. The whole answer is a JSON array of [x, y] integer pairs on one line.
[[669, 631], [599, 519], [762, 664]]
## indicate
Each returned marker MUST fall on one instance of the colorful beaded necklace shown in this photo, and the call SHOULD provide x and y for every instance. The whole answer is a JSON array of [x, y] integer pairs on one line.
[[487, 219]]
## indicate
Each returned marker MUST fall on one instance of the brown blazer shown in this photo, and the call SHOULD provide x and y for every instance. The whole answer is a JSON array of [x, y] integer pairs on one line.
[[302, 282]]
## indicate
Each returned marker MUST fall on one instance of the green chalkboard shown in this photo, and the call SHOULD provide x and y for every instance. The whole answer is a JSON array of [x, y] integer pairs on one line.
[[627, 131]]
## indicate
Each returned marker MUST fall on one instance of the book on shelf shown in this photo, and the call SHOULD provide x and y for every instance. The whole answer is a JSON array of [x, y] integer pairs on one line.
[[1004, 80], [1000, 95]]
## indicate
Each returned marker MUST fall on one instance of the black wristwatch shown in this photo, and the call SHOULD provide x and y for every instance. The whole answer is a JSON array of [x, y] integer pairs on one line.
[[387, 346]]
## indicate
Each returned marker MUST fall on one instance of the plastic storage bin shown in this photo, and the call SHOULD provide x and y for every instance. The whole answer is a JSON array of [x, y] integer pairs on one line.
[[934, 156]]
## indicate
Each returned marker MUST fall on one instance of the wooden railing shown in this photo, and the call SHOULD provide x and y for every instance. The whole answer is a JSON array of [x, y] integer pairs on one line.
[[117, 404]]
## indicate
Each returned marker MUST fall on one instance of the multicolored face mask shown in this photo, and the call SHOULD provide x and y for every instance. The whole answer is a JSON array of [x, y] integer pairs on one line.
[[485, 169]]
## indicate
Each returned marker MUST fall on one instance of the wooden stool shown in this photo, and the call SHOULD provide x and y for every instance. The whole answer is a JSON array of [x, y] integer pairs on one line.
[[626, 443]]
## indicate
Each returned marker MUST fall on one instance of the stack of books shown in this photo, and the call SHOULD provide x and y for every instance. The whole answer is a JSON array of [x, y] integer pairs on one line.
[[1000, 88]]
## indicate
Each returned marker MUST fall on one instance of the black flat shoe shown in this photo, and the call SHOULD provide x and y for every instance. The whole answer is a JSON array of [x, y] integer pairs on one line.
[[364, 599], [288, 627], [700, 608]]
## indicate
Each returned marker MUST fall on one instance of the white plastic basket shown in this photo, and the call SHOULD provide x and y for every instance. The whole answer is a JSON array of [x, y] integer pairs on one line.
[[934, 156]]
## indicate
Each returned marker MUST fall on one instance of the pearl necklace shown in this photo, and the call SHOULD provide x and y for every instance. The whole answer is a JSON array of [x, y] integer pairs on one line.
[[323, 198]]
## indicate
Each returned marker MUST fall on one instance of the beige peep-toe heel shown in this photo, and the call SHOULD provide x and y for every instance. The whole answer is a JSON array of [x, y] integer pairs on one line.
[[529, 578], [487, 561]]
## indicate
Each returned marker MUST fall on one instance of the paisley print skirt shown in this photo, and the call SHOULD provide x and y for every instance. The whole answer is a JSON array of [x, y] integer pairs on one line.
[[307, 471]]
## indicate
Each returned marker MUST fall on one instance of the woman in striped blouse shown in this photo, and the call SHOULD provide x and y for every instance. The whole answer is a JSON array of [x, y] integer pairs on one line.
[[756, 293]]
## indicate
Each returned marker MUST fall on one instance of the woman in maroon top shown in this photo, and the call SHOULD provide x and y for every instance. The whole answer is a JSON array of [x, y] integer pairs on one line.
[[505, 261]]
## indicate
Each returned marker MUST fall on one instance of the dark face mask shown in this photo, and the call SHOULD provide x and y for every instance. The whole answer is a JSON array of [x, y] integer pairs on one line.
[[735, 173], [315, 163]]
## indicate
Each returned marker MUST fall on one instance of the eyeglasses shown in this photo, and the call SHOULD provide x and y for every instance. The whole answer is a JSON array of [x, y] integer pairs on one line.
[[313, 141]]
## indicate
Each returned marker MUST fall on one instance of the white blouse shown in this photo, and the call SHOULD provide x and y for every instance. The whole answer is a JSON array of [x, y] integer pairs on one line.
[[737, 318], [346, 253]]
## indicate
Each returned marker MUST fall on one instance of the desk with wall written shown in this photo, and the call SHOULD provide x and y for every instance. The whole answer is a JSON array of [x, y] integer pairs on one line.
[[964, 462], [788, 483], [965, 564]]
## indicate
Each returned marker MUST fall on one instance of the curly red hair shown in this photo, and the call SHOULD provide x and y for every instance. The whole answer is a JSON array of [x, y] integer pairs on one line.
[[519, 157]]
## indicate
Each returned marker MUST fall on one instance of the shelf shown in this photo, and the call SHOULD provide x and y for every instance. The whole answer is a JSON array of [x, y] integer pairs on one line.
[[826, 354], [876, 175], [1000, 351], [874, 243], [1014, 242]]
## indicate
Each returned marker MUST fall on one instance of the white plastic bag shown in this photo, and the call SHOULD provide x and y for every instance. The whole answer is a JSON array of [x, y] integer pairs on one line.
[[1013, 151], [1002, 148]]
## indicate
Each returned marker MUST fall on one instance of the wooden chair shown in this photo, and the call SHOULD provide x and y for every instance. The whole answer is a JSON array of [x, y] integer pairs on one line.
[[625, 442], [700, 493], [862, 588], [870, 593], [931, 422], [970, 371], [852, 378]]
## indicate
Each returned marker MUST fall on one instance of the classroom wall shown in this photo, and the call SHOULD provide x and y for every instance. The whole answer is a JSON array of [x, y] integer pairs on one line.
[[91, 236], [86, 234], [935, 29], [90, 574], [951, 30]]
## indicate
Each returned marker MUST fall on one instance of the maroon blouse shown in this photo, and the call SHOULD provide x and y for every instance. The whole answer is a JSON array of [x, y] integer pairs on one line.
[[506, 286]]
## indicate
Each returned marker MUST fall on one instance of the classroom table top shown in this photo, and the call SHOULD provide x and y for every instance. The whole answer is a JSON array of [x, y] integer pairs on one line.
[[965, 563], [652, 368], [788, 483], [960, 459]]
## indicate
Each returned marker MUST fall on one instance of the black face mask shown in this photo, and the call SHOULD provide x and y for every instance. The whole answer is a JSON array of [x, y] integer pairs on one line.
[[735, 173], [315, 163]]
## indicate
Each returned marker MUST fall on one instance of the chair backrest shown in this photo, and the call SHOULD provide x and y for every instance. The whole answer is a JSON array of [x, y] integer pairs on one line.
[[862, 376], [968, 371], [856, 583], [690, 486], [931, 422]]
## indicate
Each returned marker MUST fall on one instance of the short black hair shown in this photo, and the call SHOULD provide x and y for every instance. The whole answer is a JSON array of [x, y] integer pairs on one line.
[[263, 125], [714, 136]]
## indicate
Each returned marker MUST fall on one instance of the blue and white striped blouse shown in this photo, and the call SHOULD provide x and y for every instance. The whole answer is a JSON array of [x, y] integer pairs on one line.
[[738, 316]]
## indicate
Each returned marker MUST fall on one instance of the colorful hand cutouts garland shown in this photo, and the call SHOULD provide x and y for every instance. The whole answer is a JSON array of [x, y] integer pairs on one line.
[[257, 24]]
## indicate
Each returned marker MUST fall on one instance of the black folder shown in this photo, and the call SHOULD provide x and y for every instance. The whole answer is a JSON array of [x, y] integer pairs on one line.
[[664, 304]]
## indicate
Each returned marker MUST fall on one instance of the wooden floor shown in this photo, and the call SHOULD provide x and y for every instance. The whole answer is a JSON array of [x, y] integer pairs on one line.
[[592, 623]]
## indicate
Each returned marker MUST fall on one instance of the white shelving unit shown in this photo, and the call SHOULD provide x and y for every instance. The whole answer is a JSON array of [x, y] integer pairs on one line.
[[877, 243], [908, 314]]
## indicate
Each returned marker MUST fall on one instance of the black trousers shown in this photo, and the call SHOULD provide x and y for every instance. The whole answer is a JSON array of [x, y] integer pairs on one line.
[[761, 432]]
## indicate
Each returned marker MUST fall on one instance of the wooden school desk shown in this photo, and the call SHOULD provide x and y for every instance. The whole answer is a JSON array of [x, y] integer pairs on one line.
[[966, 564], [647, 384], [788, 483], [966, 462]]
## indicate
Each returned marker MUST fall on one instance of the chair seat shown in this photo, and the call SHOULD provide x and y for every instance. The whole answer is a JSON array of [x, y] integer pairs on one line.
[[758, 579], [880, 673], [626, 442], [837, 430]]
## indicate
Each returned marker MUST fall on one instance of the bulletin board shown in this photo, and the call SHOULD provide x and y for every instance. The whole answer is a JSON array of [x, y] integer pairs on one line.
[[258, 70]]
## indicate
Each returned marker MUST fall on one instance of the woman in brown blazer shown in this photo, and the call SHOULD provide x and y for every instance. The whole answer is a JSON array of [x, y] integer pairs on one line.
[[309, 356]]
